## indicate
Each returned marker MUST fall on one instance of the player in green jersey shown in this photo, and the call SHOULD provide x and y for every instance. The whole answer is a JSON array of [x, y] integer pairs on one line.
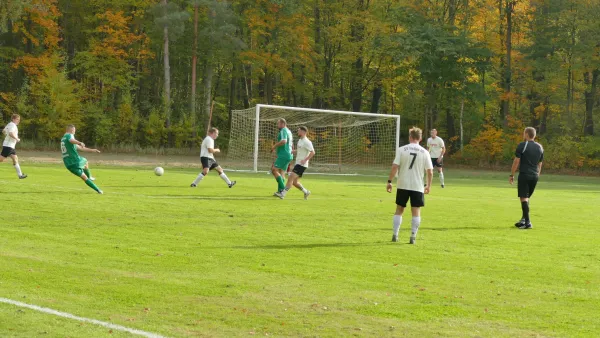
[[284, 154], [76, 164]]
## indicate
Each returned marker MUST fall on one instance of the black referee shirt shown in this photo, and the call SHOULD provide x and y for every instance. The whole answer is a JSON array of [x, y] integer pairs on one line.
[[531, 154]]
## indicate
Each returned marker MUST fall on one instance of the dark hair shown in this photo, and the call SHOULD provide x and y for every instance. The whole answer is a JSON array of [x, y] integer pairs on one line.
[[15, 116], [530, 131]]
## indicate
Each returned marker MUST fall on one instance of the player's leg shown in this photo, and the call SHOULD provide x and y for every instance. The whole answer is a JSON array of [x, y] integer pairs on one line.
[[224, 176], [204, 172], [292, 179], [79, 172], [524, 190], [441, 173], [299, 185], [401, 199], [280, 166], [17, 166], [88, 173], [417, 201]]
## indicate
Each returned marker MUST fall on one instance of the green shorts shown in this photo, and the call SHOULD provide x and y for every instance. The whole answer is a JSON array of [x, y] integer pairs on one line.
[[282, 163], [78, 169]]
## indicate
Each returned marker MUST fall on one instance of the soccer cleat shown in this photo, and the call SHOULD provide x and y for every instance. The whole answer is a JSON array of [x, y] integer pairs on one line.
[[92, 178], [412, 240], [526, 226], [520, 223], [101, 192], [275, 194], [232, 184], [22, 177], [193, 185], [279, 194], [394, 238], [442, 186], [307, 194]]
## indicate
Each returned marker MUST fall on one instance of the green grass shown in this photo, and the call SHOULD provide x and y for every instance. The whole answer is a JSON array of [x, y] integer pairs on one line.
[[156, 255]]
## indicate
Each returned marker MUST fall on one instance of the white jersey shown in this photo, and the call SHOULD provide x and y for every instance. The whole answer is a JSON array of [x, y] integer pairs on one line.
[[208, 143], [435, 146], [412, 161], [303, 148], [9, 141]]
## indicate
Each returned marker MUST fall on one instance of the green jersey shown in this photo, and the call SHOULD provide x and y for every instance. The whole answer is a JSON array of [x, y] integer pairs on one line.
[[70, 155], [285, 151]]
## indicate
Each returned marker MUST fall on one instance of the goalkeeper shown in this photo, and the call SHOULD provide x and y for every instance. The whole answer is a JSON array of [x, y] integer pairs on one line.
[[283, 147]]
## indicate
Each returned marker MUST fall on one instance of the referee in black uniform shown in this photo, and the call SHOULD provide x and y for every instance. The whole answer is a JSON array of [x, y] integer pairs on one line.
[[529, 158]]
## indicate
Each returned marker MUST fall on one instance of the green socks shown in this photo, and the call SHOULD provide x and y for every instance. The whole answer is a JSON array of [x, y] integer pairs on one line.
[[87, 173], [280, 183], [92, 185]]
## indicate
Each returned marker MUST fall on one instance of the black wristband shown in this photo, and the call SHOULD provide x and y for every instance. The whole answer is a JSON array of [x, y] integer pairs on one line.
[[389, 181]]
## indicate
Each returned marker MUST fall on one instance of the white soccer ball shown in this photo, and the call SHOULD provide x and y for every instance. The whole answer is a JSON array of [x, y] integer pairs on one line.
[[159, 171]]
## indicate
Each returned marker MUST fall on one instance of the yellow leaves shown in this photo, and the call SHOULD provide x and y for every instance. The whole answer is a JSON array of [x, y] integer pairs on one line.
[[118, 37]]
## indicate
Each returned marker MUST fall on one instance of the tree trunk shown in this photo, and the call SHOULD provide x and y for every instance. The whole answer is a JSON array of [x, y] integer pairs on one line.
[[208, 75], [167, 87], [462, 110], [507, 76], [591, 78], [194, 66]]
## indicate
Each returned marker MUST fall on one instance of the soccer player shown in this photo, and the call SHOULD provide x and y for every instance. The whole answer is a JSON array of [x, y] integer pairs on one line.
[[10, 142], [304, 152], [284, 154], [207, 157], [410, 163], [437, 149], [76, 164], [528, 159]]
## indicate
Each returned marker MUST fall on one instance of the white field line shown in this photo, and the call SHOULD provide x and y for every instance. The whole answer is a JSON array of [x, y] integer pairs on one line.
[[81, 319]]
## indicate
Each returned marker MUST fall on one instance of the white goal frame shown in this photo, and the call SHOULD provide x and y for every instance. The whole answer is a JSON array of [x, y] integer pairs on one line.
[[311, 110]]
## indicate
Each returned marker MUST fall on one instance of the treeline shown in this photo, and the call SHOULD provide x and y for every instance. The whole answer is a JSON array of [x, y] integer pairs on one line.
[[155, 73]]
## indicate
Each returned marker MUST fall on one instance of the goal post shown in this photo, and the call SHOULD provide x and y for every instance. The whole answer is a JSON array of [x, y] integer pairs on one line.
[[345, 142]]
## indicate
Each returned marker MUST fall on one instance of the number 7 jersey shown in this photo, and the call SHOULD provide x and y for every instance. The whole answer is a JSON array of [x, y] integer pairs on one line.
[[412, 161]]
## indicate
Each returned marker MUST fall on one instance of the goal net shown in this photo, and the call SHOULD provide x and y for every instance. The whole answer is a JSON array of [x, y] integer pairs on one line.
[[344, 142]]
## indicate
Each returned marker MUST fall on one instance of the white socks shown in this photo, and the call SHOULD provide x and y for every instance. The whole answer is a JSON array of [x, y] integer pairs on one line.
[[225, 178], [416, 221], [397, 222], [18, 169], [301, 187], [198, 179], [442, 178]]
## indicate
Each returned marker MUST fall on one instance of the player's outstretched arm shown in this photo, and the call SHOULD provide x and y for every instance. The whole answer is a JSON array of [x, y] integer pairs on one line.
[[87, 150]]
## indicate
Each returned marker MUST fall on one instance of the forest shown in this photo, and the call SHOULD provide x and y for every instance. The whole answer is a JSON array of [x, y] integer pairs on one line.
[[152, 74]]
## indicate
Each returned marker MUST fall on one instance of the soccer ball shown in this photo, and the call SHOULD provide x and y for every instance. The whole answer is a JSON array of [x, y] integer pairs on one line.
[[159, 171]]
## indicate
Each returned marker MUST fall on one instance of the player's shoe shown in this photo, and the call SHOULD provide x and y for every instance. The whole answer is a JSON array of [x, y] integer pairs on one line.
[[276, 194], [394, 238], [101, 192], [92, 178], [442, 186], [22, 177], [412, 240], [232, 184], [307, 194], [526, 226], [193, 185], [520, 223], [280, 195]]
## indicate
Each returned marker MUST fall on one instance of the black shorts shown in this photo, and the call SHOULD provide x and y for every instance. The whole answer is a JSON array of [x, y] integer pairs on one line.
[[298, 170], [417, 198], [7, 151], [526, 185], [436, 162], [208, 163]]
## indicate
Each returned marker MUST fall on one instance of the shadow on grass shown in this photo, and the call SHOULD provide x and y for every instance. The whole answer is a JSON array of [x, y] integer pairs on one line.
[[214, 198]]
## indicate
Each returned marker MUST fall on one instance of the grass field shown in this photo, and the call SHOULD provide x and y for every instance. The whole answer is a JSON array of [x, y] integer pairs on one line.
[[156, 255]]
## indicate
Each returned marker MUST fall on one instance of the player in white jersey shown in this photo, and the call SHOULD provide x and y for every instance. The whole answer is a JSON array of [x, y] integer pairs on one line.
[[410, 163], [304, 152], [437, 149], [207, 157], [10, 142]]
